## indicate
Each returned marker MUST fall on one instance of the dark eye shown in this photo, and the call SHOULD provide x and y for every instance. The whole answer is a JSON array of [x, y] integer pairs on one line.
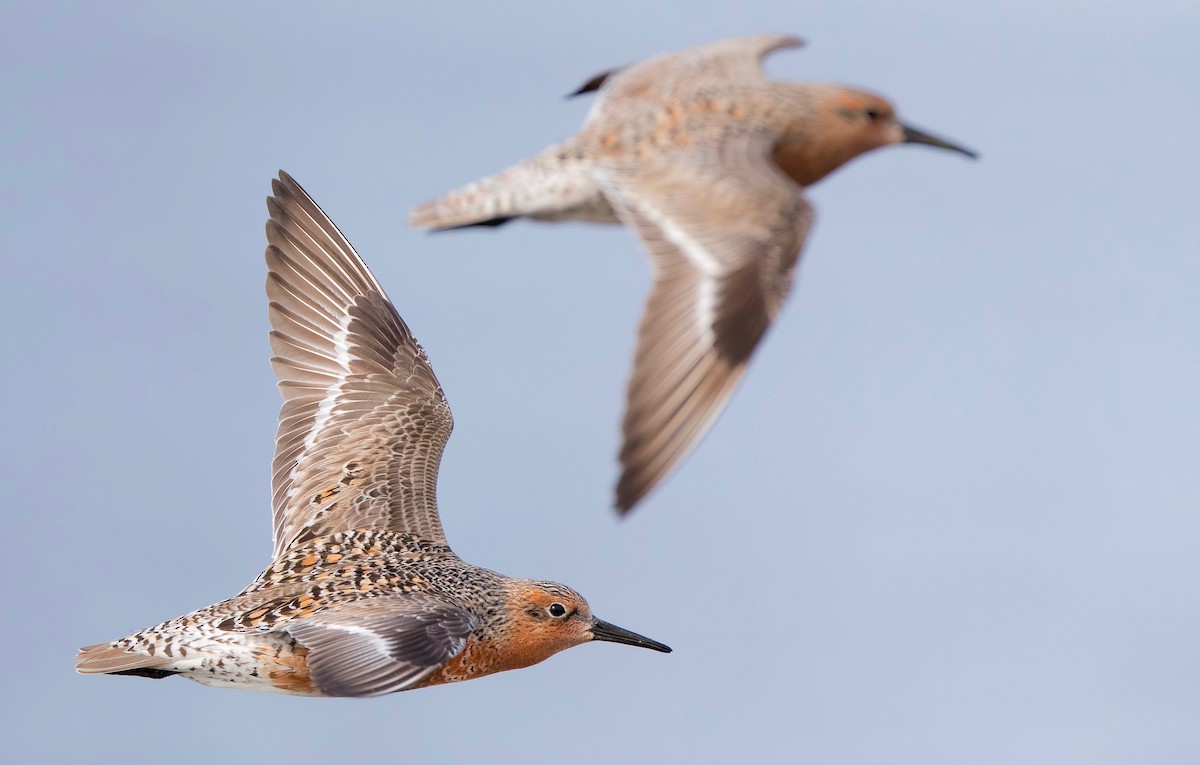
[[557, 609], [873, 114]]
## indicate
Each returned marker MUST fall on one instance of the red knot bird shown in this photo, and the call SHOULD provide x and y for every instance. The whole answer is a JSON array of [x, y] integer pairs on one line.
[[363, 596], [706, 160]]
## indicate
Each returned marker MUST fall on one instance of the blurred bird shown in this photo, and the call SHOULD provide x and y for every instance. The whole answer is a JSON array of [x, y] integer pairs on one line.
[[706, 160], [364, 596]]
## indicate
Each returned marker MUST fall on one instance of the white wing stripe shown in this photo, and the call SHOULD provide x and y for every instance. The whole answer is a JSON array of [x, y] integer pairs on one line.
[[709, 267], [325, 409]]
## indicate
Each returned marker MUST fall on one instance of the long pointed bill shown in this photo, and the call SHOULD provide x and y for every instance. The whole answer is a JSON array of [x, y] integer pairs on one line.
[[602, 630], [912, 135]]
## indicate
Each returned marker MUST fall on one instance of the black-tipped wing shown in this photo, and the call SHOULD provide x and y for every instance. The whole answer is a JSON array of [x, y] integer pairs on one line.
[[594, 84], [364, 420], [724, 230], [381, 645]]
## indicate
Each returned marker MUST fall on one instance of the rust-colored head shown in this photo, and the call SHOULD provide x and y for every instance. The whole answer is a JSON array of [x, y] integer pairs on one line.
[[546, 617], [834, 124]]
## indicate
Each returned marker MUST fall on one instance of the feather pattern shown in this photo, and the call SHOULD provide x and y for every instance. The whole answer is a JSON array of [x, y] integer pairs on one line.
[[382, 645], [364, 420]]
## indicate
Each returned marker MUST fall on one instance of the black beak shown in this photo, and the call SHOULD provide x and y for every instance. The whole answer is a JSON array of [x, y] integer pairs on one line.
[[912, 135], [602, 630]]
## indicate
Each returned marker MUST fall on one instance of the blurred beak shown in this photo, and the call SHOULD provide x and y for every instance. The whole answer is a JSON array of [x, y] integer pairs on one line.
[[912, 135], [611, 633]]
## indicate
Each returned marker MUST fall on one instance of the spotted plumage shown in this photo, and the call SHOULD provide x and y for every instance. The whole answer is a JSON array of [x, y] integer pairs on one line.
[[363, 596], [706, 160]]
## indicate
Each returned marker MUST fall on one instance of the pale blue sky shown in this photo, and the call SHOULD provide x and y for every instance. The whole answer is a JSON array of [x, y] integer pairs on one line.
[[952, 516]]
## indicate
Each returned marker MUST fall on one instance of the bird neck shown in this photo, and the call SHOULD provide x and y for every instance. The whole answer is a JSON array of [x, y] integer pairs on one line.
[[806, 156]]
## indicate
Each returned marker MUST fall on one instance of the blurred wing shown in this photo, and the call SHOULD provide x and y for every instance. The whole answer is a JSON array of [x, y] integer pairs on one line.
[[724, 230], [737, 59], [381, 645], [364, 420]]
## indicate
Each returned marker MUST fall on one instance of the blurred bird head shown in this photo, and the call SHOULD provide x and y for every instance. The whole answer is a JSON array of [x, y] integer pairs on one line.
[[833, 124]]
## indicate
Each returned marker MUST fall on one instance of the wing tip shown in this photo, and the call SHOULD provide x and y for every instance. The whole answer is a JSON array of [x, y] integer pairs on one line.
[[594, 84]]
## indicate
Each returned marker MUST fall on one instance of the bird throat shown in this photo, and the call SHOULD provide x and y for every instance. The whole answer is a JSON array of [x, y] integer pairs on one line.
[[806, 161]]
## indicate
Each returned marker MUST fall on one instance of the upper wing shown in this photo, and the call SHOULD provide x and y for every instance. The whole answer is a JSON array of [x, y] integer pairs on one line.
[[724, 230], [364, 420], [381, 645], [739, 58]]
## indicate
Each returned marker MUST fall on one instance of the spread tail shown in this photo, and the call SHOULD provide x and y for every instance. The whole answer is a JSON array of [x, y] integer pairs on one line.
[[550, 186], [111, 659]]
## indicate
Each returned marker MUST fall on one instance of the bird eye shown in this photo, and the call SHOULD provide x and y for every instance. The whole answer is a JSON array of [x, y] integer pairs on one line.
[[873, 114], [557, 610]]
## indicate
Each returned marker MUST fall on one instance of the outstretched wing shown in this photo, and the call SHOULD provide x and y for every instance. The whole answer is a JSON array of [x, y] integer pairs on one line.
[[724, 230], [735, 59], [381, 645], [364, 420]]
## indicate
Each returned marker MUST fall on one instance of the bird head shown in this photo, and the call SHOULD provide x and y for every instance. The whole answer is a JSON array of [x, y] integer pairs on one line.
[[835, 124], [547, 617]]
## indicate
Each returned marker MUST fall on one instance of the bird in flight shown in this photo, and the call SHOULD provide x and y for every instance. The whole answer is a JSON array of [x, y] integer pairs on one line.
[[363, 596], [706, 160]]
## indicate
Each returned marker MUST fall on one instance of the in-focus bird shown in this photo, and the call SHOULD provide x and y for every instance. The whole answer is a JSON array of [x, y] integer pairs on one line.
[[363, 596], [706, 160]]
